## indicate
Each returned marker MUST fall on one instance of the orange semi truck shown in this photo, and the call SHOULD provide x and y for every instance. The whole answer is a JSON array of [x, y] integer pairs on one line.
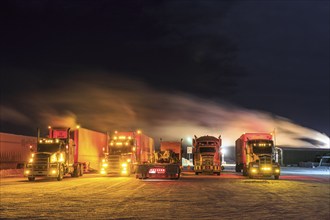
[[256, 155], [207, 155], [165, 163], [65, 151], [125, 151]]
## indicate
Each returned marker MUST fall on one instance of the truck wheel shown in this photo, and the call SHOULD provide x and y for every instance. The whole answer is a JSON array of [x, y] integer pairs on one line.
[[75, 172], [245, 173], [237, 168], [218, 174], [196, 173], [81, 170], [31, 178], [60, 174], [276, 177]]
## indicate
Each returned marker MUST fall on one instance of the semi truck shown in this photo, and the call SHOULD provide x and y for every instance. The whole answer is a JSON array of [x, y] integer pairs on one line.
[[65, 151], [166, 163], [125, 151], [256, 155], [207, 155]]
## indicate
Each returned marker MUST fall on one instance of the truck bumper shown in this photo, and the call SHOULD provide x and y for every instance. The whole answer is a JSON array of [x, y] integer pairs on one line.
[[171, 171], [121, 172], [208, 169], [34, 173], [264, 172]]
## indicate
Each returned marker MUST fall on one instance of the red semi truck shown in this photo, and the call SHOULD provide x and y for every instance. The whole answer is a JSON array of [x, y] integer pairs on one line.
[[66, 151], [207, 155], [256, 155], [166, 163], [125, 151]]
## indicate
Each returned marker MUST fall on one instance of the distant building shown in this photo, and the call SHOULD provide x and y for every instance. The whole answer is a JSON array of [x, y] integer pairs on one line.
[[294, 156]]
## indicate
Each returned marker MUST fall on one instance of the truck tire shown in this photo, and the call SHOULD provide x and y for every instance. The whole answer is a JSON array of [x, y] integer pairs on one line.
[[31, 178], [218, 174], [276, 177], [81, 170], [245, 172], [196, 173], [237, 168], [60, 173], [75, 172]]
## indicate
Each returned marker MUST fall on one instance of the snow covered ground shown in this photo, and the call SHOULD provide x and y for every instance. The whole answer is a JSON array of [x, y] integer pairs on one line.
[[297, 195]]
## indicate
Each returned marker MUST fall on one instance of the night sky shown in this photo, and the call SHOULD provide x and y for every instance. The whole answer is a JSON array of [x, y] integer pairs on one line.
[[171, 68]]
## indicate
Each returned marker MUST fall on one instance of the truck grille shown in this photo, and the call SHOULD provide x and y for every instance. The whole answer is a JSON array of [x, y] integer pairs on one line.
[[265, 160], [40, 162], [114, 162], [207, 161]]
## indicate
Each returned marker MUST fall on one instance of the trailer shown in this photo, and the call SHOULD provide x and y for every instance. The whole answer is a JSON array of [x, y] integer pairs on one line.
[[14, 150], [125, 150], [65, 151], [256, 155], [166, 163]]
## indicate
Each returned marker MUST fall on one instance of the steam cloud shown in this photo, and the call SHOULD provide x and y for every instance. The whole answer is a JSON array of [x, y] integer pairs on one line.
[[106, 103]]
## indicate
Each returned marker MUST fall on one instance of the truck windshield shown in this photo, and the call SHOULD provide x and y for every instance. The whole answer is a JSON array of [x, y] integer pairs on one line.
[[52, 148], [262, 146], [207, 149], [116, 150]]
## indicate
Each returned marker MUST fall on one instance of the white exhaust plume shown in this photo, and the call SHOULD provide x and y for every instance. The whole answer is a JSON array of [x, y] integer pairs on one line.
[[107, 104]]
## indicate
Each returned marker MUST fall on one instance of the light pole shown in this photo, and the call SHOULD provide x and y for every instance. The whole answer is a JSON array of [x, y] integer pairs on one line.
[[223, 151]]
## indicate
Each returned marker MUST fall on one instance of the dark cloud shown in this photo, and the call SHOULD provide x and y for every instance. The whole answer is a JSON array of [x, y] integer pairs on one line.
[[270, 56], [156, 41]]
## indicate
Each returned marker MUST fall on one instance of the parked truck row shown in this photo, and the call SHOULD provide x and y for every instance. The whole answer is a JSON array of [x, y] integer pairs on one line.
[[76, 151]]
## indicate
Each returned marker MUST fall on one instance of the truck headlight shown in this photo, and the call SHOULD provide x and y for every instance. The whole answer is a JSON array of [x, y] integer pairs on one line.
[[61, 159], [105, 165], [27, 172], [277, 170], [124, 165], [53, 158], [254, 170]]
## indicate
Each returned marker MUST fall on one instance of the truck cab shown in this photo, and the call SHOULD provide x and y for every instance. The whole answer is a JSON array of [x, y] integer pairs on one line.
[[256, 156], [125, 151], [207, 155], [53, 157], [48, 159]]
